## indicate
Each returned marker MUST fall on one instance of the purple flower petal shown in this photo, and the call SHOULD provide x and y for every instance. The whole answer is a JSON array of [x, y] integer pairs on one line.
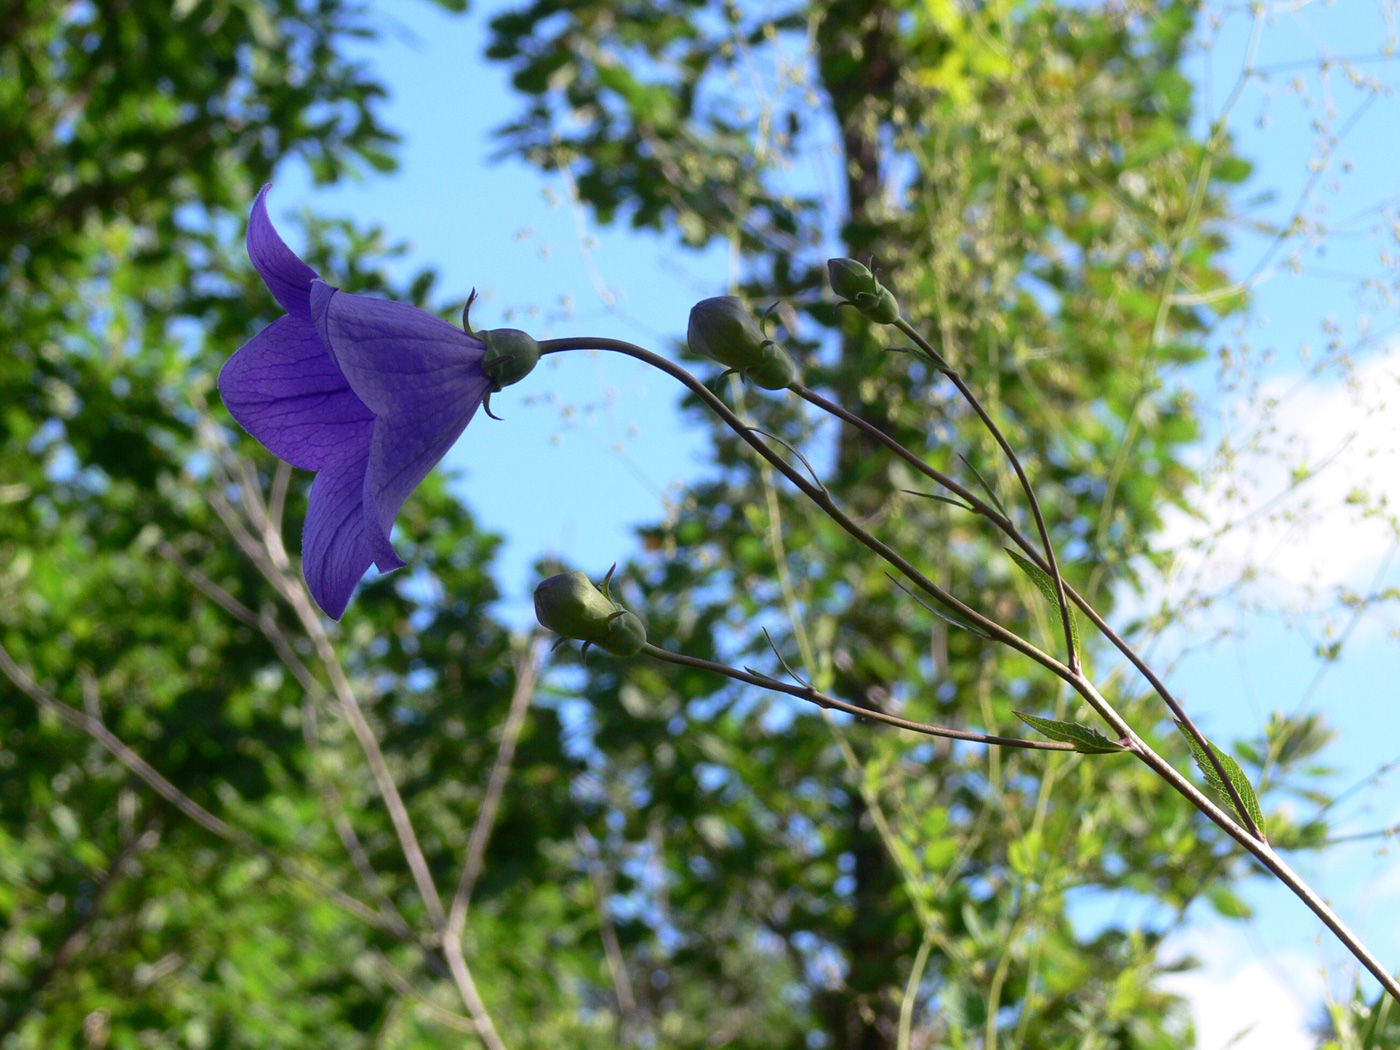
[[335, 545], [397, 358], [287, 277], [285, 389], [369, 393], [403, 451], [422, 378]]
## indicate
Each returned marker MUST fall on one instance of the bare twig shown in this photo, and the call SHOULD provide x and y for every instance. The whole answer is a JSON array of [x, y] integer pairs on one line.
[[527, 665], [348, 838], [270, 559], [527, 668], [262, 621], [453, 1020], [177, 798], [612, 950]]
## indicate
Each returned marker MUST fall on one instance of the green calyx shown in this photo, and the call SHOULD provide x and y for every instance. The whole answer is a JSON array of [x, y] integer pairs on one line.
[[569, 605], [723, 330], [859, 287], [510, 355]]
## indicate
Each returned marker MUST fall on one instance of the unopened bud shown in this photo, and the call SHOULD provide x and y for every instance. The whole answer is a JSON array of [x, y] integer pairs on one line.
[[723, 330], [859, 287], [510, 355], [571, 607]]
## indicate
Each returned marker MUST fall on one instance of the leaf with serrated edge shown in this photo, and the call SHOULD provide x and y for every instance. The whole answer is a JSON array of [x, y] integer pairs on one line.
[[1085, 739], [1045, 583], [1233, 771]]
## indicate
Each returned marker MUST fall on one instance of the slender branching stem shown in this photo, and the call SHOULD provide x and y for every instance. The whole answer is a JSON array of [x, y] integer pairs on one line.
[[96, 729], [814, 492], [1015, 461], [806, 692], [527, 667], [1008, 527], [1250, 838]]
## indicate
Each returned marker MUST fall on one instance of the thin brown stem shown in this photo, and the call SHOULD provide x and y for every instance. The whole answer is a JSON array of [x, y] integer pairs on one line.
[[471, 996], [264, 623], [527, 667], [374, 755], [348, 838], [1015, 461], [814, 696], [1008, 527], [400, 984], [612, 949], [270, 559]]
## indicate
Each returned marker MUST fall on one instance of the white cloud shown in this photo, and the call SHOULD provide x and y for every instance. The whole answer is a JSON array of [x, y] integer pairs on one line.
[[1243, 1000], [1302, 495]]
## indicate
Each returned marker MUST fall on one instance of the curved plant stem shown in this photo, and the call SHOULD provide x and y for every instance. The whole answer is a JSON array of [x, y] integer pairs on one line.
[[1008, 527], [805, 692], [1015, 461], [1250, 841], [816, 493]]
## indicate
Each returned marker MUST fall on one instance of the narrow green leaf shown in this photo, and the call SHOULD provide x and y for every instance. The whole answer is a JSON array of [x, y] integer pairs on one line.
[[991, 493], [941, 499], [944, 616], [1085, 739], [1045, 583], [1233, 771]]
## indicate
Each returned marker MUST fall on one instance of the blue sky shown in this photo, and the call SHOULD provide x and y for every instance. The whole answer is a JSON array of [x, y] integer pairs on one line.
[[591, 445]]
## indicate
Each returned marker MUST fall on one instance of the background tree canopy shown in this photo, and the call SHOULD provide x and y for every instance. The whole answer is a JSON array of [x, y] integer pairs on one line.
[[675, 862]]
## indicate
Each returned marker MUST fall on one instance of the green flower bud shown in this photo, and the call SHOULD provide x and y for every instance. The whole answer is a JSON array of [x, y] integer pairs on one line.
[[510, 355], [724, 331], [859, 287], [571, 607]]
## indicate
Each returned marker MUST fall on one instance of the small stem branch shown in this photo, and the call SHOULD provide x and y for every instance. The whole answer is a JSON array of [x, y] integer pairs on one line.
[[817, 494], [374, 755], [612, 949], [466, 987], [1008, 527], [270, 558], [335, 808], [823, 700], [527, 666], [1015, 461]]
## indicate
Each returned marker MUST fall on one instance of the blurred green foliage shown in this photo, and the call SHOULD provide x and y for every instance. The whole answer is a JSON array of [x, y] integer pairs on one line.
[[675, 863], [134, 137]]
